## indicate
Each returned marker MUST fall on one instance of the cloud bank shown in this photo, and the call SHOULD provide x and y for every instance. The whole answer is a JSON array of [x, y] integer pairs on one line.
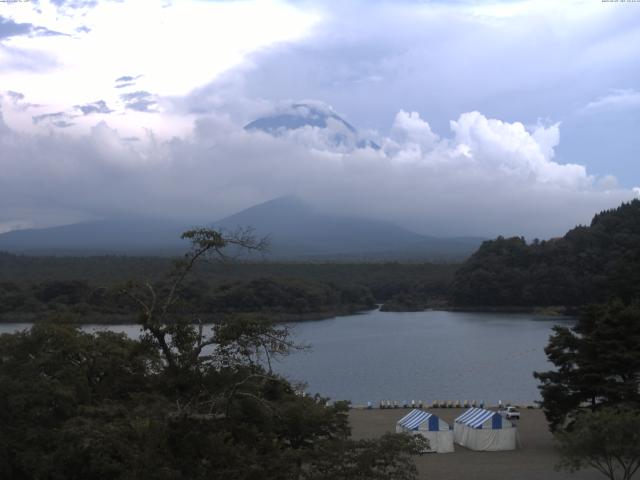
[[488, 177], [155, 126]]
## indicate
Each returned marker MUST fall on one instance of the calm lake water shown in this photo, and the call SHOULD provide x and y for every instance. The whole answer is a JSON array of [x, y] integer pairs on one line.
[[425, 356]]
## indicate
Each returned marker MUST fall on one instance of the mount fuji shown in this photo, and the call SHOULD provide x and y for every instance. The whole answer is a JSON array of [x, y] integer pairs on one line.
[[312, 121]]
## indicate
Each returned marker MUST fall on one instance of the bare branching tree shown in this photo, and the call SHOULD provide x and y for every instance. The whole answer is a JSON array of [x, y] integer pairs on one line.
[[182, 341]]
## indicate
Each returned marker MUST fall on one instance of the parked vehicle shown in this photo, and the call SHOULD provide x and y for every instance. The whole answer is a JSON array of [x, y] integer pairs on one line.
[[511, 413]]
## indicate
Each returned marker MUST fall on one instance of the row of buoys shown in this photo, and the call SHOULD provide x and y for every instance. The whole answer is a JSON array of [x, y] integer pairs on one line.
[[435, 404]]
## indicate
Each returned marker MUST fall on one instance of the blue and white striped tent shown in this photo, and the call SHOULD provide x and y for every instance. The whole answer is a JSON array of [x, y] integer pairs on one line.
[[437, 431], [476, 417], [480, 429]]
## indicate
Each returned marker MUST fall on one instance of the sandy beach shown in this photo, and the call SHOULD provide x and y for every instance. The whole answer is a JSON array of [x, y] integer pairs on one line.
[[533, 460]]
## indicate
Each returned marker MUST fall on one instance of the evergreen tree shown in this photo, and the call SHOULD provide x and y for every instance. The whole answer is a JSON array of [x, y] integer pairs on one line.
[[597, 363]]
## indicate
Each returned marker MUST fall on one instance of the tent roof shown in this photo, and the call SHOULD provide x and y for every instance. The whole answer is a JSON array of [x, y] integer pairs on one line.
[[475, 417], [414, 418]]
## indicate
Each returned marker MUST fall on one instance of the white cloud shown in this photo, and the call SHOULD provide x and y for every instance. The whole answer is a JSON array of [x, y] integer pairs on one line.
[[408, 127], [616, 100], [173, 49], [608, 182], [512, 150]]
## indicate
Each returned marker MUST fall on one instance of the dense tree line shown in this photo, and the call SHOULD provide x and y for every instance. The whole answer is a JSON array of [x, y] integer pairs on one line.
[[262, 295], [589, 264], [384, 279], [89, 287]]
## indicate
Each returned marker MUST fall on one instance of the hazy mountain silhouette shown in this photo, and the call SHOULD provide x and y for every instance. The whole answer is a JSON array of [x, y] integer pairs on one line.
[[296, 230], [119, 236]]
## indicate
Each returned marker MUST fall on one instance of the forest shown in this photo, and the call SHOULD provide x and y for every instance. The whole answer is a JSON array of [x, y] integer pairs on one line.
[[89, 289], [588, 264]]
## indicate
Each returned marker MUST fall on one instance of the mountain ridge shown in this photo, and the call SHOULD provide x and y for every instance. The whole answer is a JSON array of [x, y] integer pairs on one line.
[[297, 232]]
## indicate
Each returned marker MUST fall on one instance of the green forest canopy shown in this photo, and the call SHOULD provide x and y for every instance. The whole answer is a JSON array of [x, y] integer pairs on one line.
[[589, 264]]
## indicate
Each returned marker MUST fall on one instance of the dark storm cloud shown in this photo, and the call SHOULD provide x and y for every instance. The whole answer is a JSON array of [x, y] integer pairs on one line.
[[10, 28], [96, 107], [140, 101]]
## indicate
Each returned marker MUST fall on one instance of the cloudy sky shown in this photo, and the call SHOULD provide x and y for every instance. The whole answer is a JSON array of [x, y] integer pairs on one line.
[[514, 117]]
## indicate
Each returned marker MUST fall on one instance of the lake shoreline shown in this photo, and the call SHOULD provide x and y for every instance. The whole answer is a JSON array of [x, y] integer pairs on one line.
[[92, 318], [130, 319], [558, 310]]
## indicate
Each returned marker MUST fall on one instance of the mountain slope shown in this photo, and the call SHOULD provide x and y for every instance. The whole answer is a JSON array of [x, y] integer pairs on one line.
[[134, 235], [297, 230]]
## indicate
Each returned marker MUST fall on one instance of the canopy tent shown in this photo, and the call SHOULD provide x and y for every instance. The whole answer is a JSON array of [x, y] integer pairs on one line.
[[437, 431], [480, 429]]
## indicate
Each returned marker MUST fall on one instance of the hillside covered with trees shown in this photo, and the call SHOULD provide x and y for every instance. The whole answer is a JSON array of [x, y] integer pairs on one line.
[[589, 264]]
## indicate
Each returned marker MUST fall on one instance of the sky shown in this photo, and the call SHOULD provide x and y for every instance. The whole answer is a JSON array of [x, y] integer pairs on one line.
[[493, 118]]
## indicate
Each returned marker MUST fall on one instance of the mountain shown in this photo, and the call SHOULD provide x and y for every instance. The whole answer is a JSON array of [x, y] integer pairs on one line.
[[296, 230], [336, 132], [589, 264], [116, 236]]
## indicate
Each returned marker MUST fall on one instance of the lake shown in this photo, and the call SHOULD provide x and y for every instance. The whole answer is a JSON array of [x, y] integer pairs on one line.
[[431, 355]]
